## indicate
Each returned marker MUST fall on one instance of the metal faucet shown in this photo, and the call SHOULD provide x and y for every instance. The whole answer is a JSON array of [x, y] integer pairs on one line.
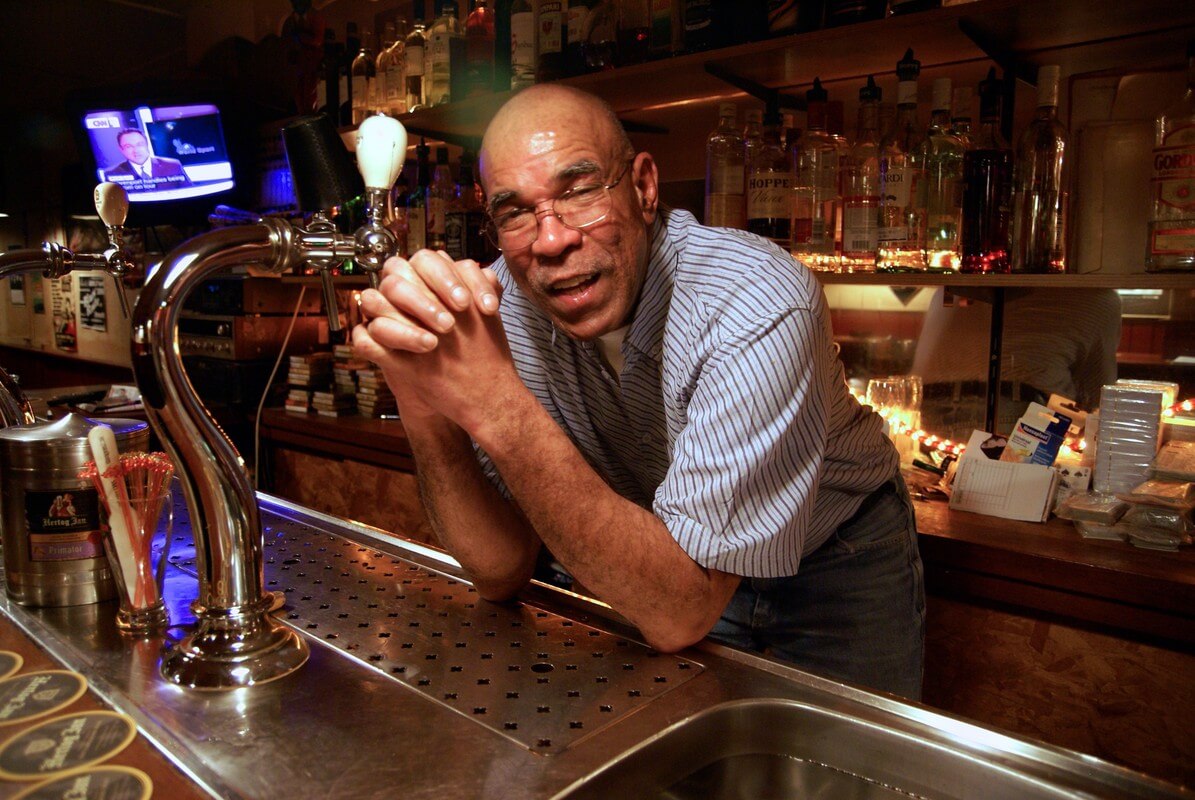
[[235, 642], [54, 261]]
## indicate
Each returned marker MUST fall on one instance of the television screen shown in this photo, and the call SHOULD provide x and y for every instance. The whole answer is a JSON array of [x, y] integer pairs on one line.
[[161, 153]]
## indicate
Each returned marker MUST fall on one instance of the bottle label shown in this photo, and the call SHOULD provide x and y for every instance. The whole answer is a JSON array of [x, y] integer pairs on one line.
[[578, 21], [860, 230], [522, 41], [1172, 241], [414, 65], [435, 215], [63, 525], [551, 28], [454, 234], [1174, 169], [768, 194], [393, 82], [906, 93], [360, 91], [416, 229]]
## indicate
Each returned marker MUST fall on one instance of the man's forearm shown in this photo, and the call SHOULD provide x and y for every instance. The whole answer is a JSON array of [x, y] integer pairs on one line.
[[483, 530], [618, 550]]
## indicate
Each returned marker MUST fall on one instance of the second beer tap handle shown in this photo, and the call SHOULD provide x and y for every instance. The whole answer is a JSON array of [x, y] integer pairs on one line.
[[112, 204], [381, 150]]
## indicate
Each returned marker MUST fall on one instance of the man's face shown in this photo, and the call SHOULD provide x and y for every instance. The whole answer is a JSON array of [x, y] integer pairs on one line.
[[586, 281], [134, 147]]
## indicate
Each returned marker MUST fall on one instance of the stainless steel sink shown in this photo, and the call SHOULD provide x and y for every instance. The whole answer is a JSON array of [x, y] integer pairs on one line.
[[773, 748]]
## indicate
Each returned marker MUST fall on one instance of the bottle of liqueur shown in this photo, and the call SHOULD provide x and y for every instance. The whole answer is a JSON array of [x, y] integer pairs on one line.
[[987, 188], [416, 57], [364, 69], [634, 31], [479, 50], [817, 200], [447, 37], [439, 197], [902, 200], [769, 185], [667, 28], [577, 34], [327, 91], [466, 216], [352, 46], [752, 133], [941, 155], [601, 42], [861, 186], [835, 125], [1172, 220], [396, 216], [522, 44], [960, 115], [395, 99], [378, 98], [550, 30], [725, 172], [1038, 199], [417, 238]]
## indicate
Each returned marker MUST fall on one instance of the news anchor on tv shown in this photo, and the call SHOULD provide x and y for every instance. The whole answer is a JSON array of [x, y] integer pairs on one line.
[[152, 172]]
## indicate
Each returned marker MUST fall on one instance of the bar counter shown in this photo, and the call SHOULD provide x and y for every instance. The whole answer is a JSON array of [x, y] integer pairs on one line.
[[1031, 628]]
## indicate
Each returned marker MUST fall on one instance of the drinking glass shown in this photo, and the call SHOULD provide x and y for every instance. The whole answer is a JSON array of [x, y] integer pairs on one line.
[[138, 567]]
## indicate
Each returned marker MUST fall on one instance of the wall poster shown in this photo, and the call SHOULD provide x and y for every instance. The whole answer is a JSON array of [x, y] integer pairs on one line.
[[62, 306], [93, 310], [16, 290]]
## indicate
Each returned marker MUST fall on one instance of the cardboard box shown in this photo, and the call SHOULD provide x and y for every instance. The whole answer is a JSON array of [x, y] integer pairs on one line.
[[1001, 488]]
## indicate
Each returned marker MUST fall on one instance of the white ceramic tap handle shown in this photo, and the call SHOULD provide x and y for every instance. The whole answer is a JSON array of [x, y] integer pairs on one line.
[[381, 149], [111, 203]]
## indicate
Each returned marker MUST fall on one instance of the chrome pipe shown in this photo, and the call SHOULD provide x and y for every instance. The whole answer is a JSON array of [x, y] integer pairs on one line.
[[235, 643]]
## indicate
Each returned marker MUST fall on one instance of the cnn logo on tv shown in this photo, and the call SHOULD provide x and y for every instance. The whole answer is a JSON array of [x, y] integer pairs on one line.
[[101, 123]]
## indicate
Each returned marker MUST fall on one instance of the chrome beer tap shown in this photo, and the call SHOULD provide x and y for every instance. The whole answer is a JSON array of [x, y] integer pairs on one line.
[[381, 149], [235, 642], [54, 261]]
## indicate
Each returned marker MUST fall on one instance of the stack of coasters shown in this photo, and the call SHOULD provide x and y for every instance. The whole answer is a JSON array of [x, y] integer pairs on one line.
[[333, 403], [310, 371], [374, 397]]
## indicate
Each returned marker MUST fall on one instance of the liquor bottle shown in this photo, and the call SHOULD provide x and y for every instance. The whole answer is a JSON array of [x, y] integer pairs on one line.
[[466, 216], [861, 186], [363, 71], [1038, 199], [725, 177], [769, 183], [817, 199], [634, 31], [417, 234], [902, 198], [416, 56], [394, 97], [601, 43], [479, 50], [941, 155], [352, 46], [666, 28], [396, 214], [576, 30], [752, 133], [502, 45], [439, 196], [702, 31], [1172, 220], [446, 36], [835, 125], [522, 44], [550, 43], [987, 188], [327, 91], [960, 115], [380, 99]]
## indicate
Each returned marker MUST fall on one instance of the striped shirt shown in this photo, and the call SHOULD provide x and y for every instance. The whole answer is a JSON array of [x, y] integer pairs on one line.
[[731, 418]]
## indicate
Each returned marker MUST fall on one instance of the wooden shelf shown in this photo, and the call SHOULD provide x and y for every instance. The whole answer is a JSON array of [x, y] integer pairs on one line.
[[1077, 34], [1175, 280]]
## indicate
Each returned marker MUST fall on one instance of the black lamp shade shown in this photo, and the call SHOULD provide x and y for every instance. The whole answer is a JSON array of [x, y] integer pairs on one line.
[[321, 167]]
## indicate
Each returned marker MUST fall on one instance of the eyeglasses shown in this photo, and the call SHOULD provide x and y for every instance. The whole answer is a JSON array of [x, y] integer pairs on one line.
[[580, 207]]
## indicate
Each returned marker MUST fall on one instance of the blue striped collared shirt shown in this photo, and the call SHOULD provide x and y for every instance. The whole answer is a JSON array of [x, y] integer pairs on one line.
[[731, 419]]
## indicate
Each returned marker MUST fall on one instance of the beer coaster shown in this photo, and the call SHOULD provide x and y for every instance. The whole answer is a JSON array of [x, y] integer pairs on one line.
[[10, 662], [63, 744], [36, 694], [103, 783]]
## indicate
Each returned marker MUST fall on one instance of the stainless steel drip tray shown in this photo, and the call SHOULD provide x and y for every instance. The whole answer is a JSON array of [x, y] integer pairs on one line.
[[528, 674]]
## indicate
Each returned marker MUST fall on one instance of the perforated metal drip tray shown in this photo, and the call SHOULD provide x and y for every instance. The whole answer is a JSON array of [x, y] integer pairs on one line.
[[527, 674]]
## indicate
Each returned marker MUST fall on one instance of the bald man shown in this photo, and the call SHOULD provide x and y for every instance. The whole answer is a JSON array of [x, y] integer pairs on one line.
[[658, 403]]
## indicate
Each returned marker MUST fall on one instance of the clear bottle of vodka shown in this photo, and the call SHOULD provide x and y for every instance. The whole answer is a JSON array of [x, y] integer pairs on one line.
[[816, 196], [1172, 221], [902, 175], [861, 186], [725, 172], [1039, 199], [941, 155]]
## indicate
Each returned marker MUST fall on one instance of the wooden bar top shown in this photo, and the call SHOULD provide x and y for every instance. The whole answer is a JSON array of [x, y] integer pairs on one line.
[[1042, 567]]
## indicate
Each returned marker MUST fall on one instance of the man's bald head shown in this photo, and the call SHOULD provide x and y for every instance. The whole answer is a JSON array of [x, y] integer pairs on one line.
[[548, 107]]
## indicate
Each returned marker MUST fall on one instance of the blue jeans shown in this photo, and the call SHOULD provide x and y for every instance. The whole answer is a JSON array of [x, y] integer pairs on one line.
[[855, 610]]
